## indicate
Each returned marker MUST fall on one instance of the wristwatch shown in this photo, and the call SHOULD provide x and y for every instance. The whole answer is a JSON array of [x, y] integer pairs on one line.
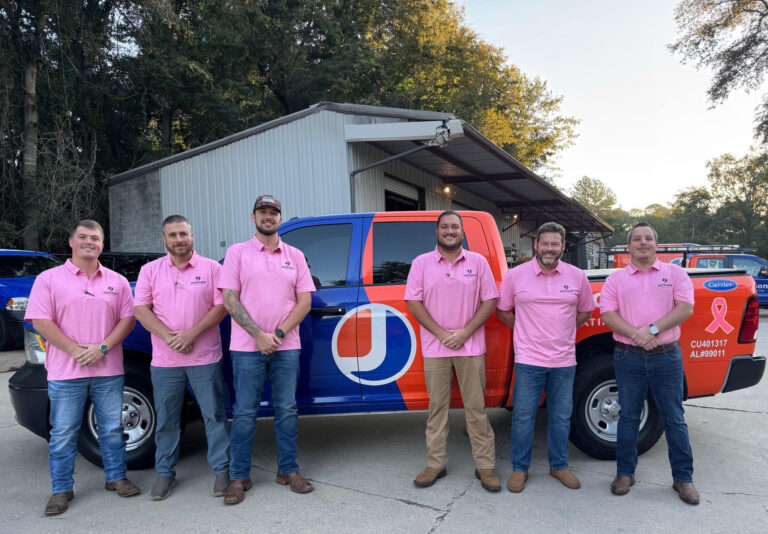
[[103, 348], [654, 329], [279, 333]]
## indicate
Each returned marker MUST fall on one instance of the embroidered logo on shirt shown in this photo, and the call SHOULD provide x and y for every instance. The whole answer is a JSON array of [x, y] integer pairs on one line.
[[470, 274], [664, 283], [287, 265], [110, 291], [198, 281], [567, 289]]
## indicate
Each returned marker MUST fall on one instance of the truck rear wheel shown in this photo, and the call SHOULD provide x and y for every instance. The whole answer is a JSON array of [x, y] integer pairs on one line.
[[139, 420], [596, 410]]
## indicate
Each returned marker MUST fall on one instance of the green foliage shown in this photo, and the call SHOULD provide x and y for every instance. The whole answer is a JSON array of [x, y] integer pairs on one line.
[[595, 195], [730, 37]]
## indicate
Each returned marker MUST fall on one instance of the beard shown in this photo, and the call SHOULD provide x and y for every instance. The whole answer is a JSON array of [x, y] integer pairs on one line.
[[266, 231], [547, 259], [449, 246]]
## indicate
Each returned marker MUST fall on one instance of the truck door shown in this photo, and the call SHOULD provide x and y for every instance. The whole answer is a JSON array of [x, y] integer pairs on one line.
[[332, 250], [754, 267]]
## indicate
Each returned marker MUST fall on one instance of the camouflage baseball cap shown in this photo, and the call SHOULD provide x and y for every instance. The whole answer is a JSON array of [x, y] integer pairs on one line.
[[267, 201]]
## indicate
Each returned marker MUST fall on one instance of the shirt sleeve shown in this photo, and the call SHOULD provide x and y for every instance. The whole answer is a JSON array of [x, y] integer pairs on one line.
[[143, 289], [488, 289], [40, 303], [608, 297], [216, 273], [414, 286], [304, 282], [507, 293], [126, 299], [230, 274], [586, 300], [683, 289]]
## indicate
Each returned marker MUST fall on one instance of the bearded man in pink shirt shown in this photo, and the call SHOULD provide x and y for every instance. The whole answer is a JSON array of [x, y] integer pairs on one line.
[[451, 292], [545, 300], [84, 311], [177, 300], [644, 304], [267, 290]]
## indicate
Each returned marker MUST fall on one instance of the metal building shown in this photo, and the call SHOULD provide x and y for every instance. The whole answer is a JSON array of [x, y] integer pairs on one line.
[[339, 158]]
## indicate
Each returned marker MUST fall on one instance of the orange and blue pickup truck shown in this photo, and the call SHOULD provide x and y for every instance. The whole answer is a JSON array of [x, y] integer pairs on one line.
[[361, 350]]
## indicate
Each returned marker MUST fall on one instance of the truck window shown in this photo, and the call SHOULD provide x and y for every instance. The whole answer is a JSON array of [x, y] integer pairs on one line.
[[749, 265], [326, 249], [713, 263], [396, 244]]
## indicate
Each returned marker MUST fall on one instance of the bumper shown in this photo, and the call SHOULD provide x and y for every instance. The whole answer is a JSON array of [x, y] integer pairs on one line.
[[744, 372], [28, 388]]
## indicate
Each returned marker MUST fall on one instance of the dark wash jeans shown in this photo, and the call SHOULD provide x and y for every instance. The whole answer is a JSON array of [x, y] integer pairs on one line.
[[663, 375]]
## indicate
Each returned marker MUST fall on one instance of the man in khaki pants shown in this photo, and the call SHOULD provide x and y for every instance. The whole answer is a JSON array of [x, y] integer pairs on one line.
[[451, 293]]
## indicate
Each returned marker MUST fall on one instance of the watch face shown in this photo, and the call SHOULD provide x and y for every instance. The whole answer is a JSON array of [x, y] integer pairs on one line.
[[103, 348], [654, 329], [279, 333]]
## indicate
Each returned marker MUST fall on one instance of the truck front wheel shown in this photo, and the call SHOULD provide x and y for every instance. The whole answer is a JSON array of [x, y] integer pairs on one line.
[[596, 410], [139, 421]]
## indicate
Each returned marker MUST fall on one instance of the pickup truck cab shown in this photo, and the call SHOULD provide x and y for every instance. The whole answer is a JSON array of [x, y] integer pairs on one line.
[[754, 266], [361, 351]]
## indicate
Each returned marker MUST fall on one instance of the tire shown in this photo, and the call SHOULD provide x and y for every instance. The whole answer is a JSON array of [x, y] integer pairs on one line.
[[596, 410], [139, 421]]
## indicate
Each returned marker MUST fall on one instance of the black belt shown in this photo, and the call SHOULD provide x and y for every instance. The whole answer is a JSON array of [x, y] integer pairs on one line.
[[640, 350]]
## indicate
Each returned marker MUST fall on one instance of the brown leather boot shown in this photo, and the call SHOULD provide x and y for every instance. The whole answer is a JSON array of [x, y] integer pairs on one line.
[[621, 484], [58, 503], [429, 476], [565, 476], [516, 481], [488, 479], [236, 491], [295, 481], [687, 492], [123, 487]]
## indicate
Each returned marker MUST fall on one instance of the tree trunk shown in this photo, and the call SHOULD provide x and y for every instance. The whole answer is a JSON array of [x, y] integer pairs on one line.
[[29, 156], [167, 127]]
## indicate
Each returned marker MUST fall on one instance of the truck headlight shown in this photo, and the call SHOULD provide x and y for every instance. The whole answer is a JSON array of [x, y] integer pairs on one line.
[[16, 306], [34, 347]]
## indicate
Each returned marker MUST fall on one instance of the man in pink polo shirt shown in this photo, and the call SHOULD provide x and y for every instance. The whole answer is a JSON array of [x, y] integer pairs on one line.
[[267, 289], [451, 293], [178, 301], [644, 304], [84, 311], [545, 300]]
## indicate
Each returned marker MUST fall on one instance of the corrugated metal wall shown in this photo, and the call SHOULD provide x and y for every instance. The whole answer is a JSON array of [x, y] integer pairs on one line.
[[303, 163]]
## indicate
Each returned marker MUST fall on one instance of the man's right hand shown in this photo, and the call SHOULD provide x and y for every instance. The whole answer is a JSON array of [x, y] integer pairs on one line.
[[267, 342]]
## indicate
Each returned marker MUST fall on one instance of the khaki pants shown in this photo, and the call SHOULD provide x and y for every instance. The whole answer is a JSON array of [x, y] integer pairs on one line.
[[470, 373]]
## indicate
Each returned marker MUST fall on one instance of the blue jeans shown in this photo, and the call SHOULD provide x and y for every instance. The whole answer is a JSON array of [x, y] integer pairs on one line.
[[663, 375], [169, 385], [250, 370], [530, 382], [67, 402]]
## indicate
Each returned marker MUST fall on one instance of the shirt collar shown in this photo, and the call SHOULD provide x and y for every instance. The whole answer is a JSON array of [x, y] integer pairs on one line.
[[538, 270], [192, 261], [439, 257], [655, 265], [74, 269], [263, 248]]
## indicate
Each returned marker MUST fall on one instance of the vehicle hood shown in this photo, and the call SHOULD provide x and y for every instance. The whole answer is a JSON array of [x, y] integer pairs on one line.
[[16, 287]]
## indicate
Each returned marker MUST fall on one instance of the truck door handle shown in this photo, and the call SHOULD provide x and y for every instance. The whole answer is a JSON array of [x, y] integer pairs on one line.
[[328, 311]]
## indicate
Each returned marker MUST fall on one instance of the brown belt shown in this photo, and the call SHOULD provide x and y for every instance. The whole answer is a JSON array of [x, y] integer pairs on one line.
[[640, 350]]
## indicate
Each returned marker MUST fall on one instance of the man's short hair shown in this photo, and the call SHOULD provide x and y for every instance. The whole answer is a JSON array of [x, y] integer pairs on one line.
[[551, 227], [90, 224], [172, 219], [449, 212], [643, 224]]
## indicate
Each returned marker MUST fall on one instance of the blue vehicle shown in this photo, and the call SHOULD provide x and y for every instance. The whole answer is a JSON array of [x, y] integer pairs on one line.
[[754, 265], [18, 269]]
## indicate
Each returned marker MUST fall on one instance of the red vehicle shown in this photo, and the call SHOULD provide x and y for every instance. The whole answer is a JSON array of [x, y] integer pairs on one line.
[[361, 349]]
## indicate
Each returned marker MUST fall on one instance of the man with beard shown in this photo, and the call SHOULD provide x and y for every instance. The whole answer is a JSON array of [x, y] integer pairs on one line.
[[178, 302], [267, 289], [545, 300], [644, 304], [451, 292], [84, 311]]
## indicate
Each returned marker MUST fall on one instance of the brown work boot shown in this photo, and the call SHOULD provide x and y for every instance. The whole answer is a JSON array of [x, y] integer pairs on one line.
[[236, 491], [58, 503], [621, 484], [123, 487], [687, 492], [565, 476], [516, 481], [428, 477], [488, 479], [295, 481]]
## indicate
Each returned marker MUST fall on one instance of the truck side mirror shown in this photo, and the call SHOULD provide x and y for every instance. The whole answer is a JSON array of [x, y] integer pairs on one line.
[[763, 272]]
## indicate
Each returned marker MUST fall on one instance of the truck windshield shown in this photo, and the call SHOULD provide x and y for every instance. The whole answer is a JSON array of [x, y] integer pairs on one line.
[[18, 266]]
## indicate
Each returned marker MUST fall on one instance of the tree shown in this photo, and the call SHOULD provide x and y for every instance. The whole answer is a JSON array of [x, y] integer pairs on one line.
[[594, 194], [693, 216], [730, 37]]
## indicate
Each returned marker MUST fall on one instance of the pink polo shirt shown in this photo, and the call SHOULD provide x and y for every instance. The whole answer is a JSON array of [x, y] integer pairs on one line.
[[86, 311], [180, 299], [451, 293], [545, 306], [268, 282], [643, 297]]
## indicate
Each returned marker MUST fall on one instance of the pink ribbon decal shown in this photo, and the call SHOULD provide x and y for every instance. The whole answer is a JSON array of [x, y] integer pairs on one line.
[[719, 309]]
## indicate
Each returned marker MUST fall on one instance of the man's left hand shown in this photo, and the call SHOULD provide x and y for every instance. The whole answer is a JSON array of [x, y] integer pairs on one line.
[[182, 341], [89, 355], [457, 338]]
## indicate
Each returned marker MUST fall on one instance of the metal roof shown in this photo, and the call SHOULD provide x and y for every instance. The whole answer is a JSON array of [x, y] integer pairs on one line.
[[472, 163]]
